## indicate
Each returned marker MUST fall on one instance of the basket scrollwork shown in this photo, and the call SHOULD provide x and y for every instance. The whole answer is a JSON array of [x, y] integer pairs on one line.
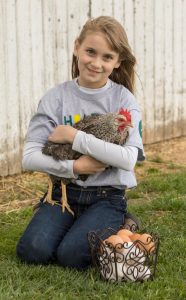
[[129, 261]]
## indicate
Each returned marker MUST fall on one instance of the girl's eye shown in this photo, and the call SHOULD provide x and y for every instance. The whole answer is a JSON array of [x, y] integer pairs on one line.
[[90, 51], [108, 57]]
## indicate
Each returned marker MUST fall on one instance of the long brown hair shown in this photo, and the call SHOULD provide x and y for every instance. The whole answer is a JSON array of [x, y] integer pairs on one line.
[[118, 41]]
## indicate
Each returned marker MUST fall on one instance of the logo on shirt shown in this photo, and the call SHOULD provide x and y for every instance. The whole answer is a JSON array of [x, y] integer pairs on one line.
[[140, 128], [71, 119]]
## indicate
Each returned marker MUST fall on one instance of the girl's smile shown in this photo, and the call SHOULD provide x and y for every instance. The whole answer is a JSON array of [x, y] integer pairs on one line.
[[96, 60], [93, 71]]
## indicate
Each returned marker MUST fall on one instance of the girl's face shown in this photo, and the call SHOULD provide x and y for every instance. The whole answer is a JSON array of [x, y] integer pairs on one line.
[[96, 60]]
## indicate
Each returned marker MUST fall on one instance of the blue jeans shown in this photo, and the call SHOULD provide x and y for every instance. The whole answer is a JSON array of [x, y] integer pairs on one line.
[[61, 237]]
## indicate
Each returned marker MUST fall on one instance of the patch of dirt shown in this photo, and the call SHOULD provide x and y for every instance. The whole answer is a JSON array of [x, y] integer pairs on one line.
[[171, 151], [168, 156], [26, 189]]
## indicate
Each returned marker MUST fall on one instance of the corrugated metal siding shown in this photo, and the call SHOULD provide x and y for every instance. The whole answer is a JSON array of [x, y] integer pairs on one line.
[[36, 44]]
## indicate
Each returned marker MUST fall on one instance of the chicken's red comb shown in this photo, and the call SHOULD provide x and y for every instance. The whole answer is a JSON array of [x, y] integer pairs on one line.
[[125, 113]]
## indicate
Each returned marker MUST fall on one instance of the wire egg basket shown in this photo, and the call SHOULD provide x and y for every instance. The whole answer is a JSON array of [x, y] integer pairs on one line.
[[128, 261]]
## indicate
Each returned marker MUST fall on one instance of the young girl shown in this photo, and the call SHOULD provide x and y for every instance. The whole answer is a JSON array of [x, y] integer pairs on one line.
[[103, 81]]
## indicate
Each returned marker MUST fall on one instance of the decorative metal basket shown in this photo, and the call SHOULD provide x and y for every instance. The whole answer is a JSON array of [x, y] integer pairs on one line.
[[129, 261]]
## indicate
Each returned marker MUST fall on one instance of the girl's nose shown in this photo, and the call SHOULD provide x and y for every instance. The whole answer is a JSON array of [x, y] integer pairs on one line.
[[96, 63]]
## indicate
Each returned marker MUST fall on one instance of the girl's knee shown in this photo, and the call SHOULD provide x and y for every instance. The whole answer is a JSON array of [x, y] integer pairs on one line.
[[33, 251], [72, 255]]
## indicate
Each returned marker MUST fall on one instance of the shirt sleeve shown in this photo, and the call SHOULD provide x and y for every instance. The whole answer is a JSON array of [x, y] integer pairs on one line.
[[135, 134], [35, 160], [108, 153], [47, 117]]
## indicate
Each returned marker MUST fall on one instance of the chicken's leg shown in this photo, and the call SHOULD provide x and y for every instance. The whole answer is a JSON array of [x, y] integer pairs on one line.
[[49, 193], [64, 200]]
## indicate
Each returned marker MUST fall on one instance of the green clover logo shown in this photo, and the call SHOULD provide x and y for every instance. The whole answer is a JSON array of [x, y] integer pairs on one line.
[[140, 128]]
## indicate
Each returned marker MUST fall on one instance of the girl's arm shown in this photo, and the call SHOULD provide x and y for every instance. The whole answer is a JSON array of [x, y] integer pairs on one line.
[[87, 144], [35, 160], [122, 157]]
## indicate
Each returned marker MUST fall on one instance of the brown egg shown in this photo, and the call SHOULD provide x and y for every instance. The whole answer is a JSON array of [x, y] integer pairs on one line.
[[125, 238], [146, 241], [116, 241], [135, 237], [123, 233]]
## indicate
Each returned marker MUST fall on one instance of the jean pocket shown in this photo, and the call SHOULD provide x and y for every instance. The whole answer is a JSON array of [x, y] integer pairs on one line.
[[119, 201]]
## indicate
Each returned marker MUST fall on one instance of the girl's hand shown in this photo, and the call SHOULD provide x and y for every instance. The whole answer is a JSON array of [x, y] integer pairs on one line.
[[63, 134], [88, 165]]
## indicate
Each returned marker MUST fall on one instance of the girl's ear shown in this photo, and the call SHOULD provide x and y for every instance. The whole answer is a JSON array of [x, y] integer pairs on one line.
[[76, 47]]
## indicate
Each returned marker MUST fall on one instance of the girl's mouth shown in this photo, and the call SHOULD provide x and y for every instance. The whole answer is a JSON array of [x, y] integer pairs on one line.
[[94, 71]]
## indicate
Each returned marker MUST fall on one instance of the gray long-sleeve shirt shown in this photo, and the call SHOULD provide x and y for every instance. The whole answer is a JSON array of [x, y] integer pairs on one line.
[[66, 104]]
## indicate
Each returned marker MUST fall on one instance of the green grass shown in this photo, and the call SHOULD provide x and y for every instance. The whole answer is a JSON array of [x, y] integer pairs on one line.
[[159, 201], [156, 159]]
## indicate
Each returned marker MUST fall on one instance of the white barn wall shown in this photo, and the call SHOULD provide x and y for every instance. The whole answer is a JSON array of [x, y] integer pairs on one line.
[[3, 108], [148, 83], [36, 44], [177, 69], [168, 70], [158, 67], [184, 68]]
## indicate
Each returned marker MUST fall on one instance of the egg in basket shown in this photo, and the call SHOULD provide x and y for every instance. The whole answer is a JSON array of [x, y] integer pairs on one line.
[[124, 255]]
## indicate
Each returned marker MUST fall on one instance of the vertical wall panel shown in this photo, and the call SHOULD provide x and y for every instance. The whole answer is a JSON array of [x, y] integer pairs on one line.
[[129, 20], [149, 98], [118, 10], [12, 100], [159, 69], [37, 57], [177, 68], [24, 64], [168, 73], [61, 42], [77, 15], [101, 7], [184, 68], [3, 100], [49, 45], [138, 46]]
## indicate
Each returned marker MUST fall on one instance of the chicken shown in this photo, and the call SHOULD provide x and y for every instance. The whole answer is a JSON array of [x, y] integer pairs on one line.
[[110, 127]]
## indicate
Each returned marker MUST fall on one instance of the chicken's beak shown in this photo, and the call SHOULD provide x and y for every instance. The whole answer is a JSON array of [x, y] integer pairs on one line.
[[125, 124]]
